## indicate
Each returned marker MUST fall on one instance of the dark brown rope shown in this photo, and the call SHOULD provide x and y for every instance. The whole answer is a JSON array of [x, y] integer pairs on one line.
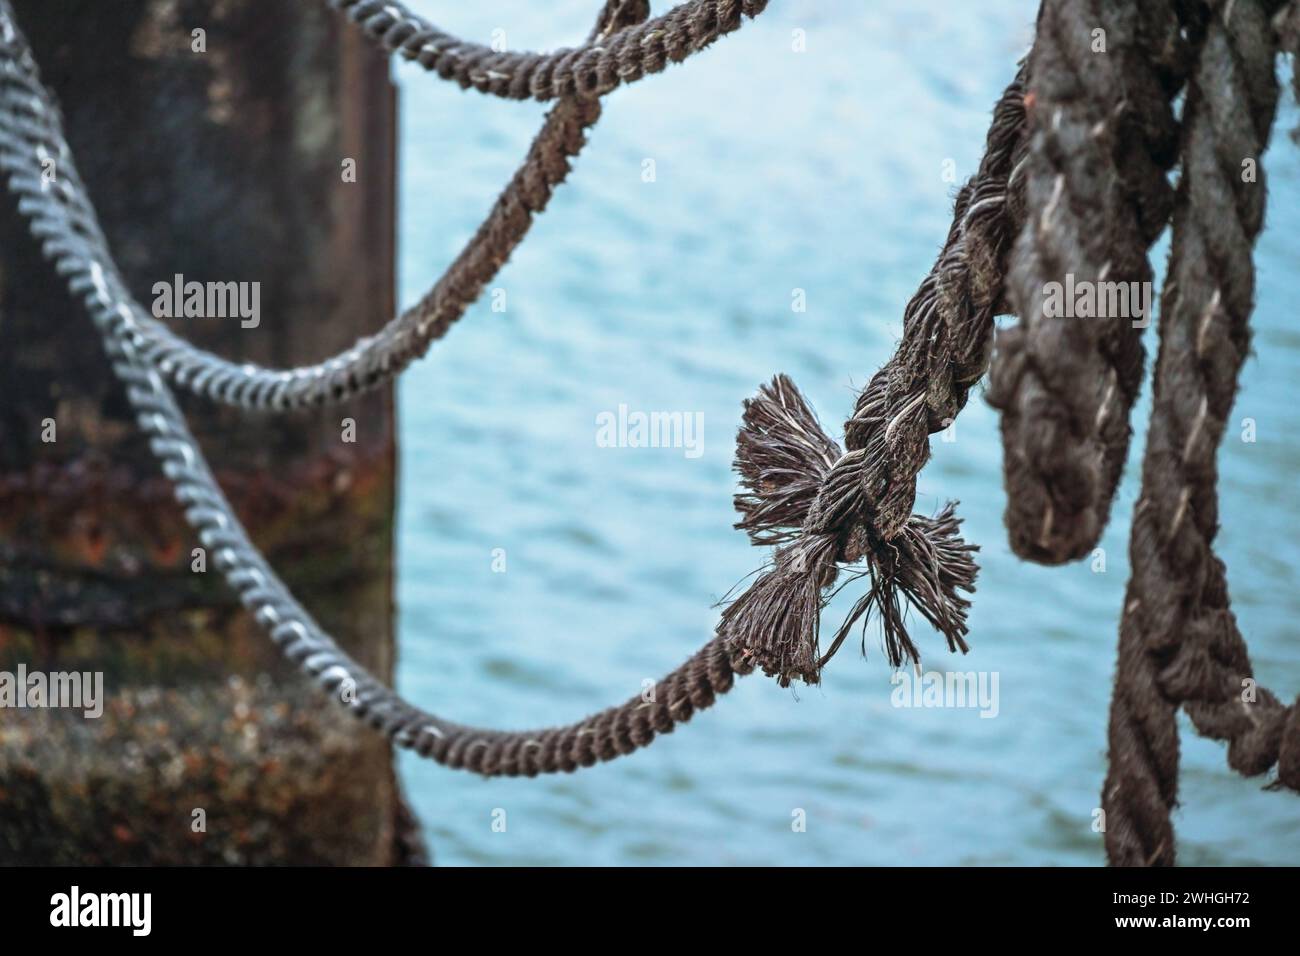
[[620, 56], [829, 510], [947, 329], [611, 733], [1103, 139], [546, 166], [1179, 642]]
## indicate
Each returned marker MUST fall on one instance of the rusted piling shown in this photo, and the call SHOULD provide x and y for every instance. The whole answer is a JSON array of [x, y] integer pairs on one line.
[[218, 142]]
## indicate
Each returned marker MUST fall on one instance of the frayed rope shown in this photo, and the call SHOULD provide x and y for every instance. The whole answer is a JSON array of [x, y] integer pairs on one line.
[[804, 494]]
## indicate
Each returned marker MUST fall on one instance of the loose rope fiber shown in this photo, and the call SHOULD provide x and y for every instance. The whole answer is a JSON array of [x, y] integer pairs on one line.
[[374, 359], [592, 70], [1103, 139], [1179, 642]]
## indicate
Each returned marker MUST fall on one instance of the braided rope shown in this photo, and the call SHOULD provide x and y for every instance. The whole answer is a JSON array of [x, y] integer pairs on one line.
[[33, 126], [947, 334], [1179, 642], [592, 70], [1103, 140]]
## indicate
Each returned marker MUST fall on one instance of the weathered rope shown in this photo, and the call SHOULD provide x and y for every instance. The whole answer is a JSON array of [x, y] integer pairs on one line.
[[947, 331], [603, 736], [794, 494], [1179, 642], [592, 70], [925, 562], [828, 510], [1103, 139], [34, 124]]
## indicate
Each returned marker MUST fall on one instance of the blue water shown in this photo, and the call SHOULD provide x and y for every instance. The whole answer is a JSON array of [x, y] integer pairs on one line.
[[774, 171]]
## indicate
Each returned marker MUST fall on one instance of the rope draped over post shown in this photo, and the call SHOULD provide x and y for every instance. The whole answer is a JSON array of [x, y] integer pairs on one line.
[[1073, 178]]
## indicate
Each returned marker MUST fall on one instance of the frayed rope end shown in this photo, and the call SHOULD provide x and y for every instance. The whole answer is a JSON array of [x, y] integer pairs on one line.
[[784, 459], [782, 456]]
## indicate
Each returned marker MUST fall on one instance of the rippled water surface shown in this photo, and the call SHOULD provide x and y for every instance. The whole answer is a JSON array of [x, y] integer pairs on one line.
[[775, 171]]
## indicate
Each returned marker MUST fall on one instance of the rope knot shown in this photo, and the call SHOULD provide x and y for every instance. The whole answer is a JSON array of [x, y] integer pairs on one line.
[[805, 495]]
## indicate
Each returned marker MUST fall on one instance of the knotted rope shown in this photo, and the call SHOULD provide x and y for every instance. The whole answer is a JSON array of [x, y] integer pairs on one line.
[[828, 509], [1102, 77], [1179, 641]]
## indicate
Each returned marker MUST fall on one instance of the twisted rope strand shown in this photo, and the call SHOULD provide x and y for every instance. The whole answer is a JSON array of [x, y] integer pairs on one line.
[[1103, 140], [947, 333], [30, 124], [592, 70], [1179, 642]]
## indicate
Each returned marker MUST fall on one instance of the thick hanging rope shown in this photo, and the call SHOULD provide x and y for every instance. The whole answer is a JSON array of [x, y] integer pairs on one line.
[[592, 70], [373, 359], [1102, 76], [1179, 641]]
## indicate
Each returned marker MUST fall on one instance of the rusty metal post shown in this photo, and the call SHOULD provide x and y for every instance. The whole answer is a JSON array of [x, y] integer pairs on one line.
[[218, 155]]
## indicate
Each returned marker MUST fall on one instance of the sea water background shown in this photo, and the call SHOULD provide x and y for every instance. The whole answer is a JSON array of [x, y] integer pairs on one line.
[[776, 170]]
